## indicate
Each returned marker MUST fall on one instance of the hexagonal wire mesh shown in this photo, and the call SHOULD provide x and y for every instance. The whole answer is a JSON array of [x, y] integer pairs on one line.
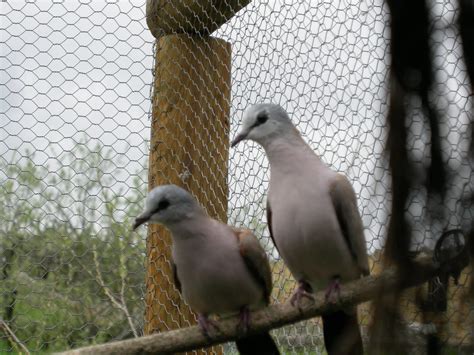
[[74, 121]]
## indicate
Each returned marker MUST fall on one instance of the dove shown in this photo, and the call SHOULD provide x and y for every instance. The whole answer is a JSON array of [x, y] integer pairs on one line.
[[313, 220], [218, 269]]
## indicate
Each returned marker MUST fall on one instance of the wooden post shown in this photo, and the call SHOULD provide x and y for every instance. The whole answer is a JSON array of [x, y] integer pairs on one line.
[[190, 16], [189, 134], [189, 147]]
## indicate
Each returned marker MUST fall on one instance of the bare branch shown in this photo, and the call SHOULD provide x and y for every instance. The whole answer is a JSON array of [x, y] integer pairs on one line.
[[125, 308], [121, 305], [123, 273], [269, 318], [13, 338]]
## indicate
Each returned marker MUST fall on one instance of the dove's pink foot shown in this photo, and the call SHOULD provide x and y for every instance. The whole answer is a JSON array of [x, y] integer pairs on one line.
[[302, 291], [244, 320], [206, 324], [333, 291]]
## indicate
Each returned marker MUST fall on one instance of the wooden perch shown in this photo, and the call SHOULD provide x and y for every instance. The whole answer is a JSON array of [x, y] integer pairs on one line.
[[275, 316]]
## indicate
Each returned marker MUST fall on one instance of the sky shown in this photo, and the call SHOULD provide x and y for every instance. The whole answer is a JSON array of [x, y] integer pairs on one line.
[[69, 68]]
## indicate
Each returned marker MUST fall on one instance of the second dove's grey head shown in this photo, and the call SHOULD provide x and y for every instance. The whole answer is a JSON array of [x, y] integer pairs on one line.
[[167, 204], [263, 122]]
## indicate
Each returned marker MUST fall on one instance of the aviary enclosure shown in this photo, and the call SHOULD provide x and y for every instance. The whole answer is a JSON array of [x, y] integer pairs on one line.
[[101, 100]]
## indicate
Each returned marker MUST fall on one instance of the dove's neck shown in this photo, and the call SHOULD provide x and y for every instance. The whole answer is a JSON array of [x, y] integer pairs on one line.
[[189, 226], [290, 151]]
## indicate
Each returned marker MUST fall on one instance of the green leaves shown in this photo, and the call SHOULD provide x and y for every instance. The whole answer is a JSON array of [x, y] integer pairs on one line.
[[63, 224]]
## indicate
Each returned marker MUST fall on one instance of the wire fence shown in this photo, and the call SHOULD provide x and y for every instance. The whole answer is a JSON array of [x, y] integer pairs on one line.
[[76, 83]]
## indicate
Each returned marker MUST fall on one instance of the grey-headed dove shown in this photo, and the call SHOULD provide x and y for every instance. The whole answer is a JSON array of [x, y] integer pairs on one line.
[[313, 220], [218, 269]]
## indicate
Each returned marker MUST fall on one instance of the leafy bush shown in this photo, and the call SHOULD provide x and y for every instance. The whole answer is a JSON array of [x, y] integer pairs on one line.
[[71, 270]]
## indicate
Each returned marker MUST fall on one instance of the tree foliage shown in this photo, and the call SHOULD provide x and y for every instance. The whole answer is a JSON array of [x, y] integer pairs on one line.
[[71, 270]]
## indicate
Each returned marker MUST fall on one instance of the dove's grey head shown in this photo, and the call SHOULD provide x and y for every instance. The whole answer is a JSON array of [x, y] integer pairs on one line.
[[264, 122], [168, 204]]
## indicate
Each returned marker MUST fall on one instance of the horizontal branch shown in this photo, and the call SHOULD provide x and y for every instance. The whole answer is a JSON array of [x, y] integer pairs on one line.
[[275, 316]]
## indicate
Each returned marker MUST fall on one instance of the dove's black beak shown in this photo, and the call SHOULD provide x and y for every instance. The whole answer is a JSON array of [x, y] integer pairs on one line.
[[139, 221], [237, 139]]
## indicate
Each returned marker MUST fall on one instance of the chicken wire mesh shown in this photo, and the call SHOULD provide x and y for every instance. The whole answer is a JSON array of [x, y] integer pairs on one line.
[[75, 124]]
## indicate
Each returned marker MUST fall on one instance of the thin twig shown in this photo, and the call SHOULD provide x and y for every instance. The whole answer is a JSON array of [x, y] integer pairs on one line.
[[120, 305], [13, 338], [275, 316], [122, 298]]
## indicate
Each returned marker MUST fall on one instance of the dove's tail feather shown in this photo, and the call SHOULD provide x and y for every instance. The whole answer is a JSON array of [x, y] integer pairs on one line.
[[342, 333], [261, 343]]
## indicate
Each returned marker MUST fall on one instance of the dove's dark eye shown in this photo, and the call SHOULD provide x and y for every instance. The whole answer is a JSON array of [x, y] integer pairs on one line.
[[262, 117], [162, 205]]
